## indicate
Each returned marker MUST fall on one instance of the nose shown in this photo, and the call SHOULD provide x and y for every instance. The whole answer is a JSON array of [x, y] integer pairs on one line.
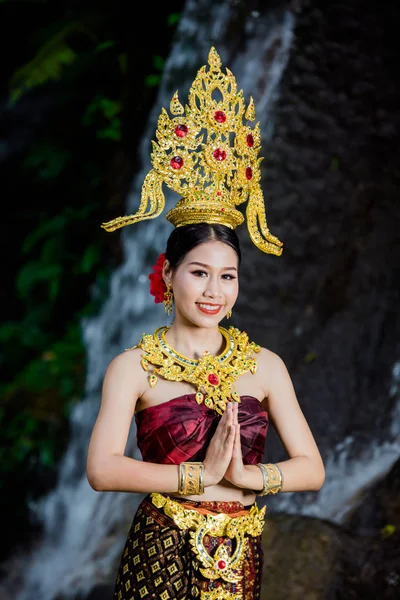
[[213, 289]]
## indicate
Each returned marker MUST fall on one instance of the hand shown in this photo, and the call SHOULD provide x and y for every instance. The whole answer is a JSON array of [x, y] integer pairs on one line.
[[219, 451], [236, 470]]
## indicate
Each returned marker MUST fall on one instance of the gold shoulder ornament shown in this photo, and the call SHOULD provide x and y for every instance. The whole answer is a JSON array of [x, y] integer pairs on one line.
[[207, 152], [213, 376]]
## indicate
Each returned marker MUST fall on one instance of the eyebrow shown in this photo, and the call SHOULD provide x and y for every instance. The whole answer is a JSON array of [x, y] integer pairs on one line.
[[208, 266]]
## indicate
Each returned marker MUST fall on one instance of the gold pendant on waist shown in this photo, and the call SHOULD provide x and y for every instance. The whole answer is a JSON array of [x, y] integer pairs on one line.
[[213, 376]]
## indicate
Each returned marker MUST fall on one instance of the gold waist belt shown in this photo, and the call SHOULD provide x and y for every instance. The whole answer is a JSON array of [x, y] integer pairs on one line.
[[221, 565]]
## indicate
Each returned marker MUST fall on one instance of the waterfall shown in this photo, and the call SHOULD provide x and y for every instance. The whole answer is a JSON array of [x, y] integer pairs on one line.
[[78, 547]]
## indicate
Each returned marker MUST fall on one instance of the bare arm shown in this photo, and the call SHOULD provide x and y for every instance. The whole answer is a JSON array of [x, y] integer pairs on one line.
[[107, 467], [304, 470]]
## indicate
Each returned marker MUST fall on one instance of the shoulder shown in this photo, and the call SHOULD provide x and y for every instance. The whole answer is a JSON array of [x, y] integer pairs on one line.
[[273, 369], [270, 359], [128, 358], [125, 369]]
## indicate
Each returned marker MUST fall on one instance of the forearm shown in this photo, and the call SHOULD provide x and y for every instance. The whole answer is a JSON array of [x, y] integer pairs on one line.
[[300, 474], [124, 474]]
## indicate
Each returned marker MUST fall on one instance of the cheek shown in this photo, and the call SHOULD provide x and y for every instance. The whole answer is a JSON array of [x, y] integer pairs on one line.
[[188, 286]]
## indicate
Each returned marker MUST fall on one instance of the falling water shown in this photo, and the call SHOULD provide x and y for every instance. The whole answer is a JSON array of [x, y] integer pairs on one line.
[[78, 547]]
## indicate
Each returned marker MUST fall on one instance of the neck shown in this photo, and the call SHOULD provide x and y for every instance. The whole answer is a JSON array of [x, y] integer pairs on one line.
[[192, 341]]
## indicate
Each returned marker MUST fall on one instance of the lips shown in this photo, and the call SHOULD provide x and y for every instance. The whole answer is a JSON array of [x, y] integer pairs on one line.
[[209, 309]]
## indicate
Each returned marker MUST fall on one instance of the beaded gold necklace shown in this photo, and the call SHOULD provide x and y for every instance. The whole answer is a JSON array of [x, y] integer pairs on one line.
[[213, 376]]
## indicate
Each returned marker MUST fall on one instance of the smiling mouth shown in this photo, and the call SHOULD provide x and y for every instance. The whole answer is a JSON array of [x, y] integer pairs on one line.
[[209, 309]]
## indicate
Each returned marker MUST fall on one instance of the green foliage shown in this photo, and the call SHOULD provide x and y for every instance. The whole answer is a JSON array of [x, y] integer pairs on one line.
[[46, 65], [107, 109], [47, 160], [388, 530], [173, 19], [50, 61], [153, 80], [60, 265]]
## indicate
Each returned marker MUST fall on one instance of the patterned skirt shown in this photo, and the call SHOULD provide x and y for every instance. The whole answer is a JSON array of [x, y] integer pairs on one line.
[[159, 561]]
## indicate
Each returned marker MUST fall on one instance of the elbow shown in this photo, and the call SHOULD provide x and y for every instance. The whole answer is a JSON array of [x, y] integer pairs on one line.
[[320, 479], [95, 480]]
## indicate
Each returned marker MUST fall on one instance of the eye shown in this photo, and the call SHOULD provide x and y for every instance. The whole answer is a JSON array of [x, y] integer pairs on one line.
[[199, 273], [228, 276]]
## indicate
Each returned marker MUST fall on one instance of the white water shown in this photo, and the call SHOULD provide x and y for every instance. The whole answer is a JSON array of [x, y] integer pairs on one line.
[[78, 548]]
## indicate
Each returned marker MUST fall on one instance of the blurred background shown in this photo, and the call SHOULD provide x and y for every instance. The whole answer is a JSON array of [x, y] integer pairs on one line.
[[82, 86]]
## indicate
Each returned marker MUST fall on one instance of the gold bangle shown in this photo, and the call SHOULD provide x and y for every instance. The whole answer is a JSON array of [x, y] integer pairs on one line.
[[191, 478], [272, 477]]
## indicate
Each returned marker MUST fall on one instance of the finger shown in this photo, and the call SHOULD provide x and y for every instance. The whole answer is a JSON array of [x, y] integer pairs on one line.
[[222, 421], [237, 448], [230, 438], [235, 412]]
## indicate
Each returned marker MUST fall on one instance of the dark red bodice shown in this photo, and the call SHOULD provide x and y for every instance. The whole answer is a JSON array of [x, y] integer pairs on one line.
[[179, 430]]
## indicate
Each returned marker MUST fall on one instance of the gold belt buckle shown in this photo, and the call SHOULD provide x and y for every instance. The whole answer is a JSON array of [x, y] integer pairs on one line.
[[221, 565]]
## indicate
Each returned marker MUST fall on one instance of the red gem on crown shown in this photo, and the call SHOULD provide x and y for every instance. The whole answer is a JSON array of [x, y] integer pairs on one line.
[[213, 379], [221, 564], [219, 154], [181, 131], [250, 140], [249, 173], [176, 162], [220, 116]]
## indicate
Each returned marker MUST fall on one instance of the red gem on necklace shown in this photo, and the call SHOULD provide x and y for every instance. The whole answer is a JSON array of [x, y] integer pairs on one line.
[[220, 116], [177, 162], [221, 564], [219, 154], [213, 379], [181, 131]]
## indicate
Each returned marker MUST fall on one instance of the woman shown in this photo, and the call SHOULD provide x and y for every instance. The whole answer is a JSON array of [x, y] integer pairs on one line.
[[202, 396]]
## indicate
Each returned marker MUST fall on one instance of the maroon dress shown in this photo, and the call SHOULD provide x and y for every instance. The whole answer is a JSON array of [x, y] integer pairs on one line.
[[158, 561]]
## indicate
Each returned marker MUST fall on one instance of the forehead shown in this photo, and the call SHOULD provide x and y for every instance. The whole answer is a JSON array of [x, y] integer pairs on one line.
[[213, 253]]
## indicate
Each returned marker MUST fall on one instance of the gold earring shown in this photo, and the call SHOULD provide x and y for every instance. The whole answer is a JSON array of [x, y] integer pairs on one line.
[[229, 314], [168, 299]]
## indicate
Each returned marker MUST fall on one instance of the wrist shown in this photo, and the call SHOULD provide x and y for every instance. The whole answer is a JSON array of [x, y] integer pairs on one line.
[[251, 479], [208, 477]]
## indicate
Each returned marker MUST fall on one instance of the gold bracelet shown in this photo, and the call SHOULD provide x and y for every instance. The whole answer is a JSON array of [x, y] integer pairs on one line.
[[272, 477], [191, 478]]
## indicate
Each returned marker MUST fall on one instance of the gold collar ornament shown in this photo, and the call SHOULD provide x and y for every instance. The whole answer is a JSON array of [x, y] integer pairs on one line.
[[213, 376], [209, 157]]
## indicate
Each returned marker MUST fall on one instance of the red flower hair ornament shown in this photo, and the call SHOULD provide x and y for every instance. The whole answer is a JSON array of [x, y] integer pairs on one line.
[[157, 285]]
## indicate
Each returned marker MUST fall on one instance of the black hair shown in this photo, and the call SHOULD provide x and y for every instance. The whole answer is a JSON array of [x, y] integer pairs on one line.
[[185, 238]]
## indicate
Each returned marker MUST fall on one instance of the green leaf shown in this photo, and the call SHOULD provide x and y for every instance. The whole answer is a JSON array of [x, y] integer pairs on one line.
[[89, 259], [112, 132], [158, 62], [152, 80], [105, 107], [105, 45], [47, 160], [49, 62], [310, 357], [173, 19], [34, 273]]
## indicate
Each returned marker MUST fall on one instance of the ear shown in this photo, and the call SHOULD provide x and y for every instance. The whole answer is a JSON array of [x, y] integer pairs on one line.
[[167, 272]]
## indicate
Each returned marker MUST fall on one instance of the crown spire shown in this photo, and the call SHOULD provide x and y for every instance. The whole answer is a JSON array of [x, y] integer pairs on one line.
[[209, 157]]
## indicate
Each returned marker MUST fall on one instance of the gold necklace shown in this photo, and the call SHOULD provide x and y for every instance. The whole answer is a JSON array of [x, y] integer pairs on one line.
[[213, 376]]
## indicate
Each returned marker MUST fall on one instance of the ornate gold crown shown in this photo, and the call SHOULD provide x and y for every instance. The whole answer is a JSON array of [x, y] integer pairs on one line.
[[210, 158]]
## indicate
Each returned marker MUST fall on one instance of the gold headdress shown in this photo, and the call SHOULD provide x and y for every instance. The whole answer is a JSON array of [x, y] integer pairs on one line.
[[210, 158]]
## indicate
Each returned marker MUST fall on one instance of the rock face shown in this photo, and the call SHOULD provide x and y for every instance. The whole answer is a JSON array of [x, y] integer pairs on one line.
[[313, 559], [329, 304]]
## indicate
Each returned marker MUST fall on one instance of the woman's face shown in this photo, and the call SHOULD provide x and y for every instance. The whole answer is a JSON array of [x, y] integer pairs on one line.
[[205, 285]]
